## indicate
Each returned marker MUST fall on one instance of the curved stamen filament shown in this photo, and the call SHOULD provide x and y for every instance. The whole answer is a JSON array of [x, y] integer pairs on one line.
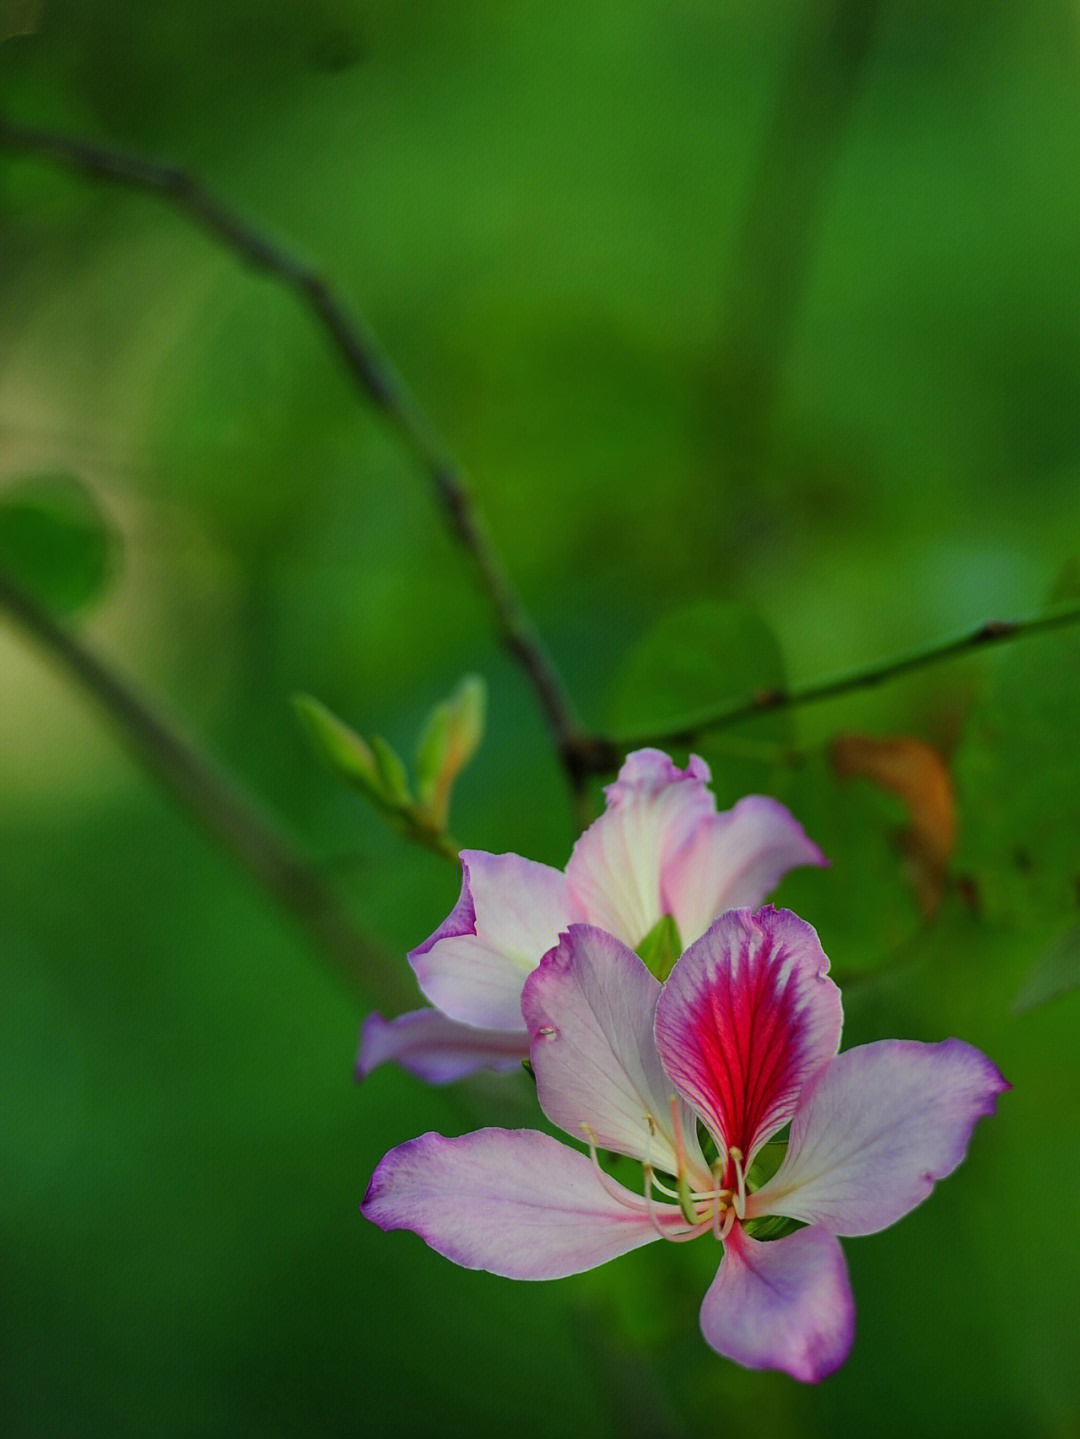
[[664, 1189], [684, 1193], [680, 1143], [616, 1191], [720, 1219], [679, 1236], [647, 1161]]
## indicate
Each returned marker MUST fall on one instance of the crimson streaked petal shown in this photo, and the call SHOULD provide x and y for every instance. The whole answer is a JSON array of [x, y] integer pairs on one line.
[[509, 913], [616, 867], [746, 1017], [514, 1202], [733, 861], [435, 1048], [590, 1008], [874, 1131], [783, 1305]]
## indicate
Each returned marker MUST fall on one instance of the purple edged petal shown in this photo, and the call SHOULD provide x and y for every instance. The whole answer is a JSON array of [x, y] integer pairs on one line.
[[514, 1202], [746, 1017], [875, 1129], [590, 1009], [510, 912], [733, 861], [437, 1049], [615, 870], [782, 1305]]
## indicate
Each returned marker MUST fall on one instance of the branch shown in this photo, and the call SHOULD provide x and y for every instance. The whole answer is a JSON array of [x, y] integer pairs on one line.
[[222, 811], [993, 632], [374, 375]]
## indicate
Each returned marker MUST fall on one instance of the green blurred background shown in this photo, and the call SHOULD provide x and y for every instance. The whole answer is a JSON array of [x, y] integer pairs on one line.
[[716, 302]]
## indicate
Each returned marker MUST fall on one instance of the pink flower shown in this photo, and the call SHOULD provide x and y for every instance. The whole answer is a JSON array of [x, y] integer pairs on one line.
[[743, 1037], [659, 849]]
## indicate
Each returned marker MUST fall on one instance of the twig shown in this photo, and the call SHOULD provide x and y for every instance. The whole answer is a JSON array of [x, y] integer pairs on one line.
[[255, 845], [377, 379], [993, 632]]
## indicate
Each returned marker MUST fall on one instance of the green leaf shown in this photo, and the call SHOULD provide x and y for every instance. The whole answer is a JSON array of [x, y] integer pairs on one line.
[[661, 947], [1054, 973], [55, 542], [694, 659], [451, 736], [347, 755], [1017, 772]]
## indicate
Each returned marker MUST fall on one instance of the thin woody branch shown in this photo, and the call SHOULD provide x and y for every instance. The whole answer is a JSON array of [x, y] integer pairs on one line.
[[373, 374], [605, 752], [219, 808]]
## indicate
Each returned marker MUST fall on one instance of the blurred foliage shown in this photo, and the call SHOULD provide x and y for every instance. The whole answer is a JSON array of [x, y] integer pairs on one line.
[[539, 209], [54, 541]]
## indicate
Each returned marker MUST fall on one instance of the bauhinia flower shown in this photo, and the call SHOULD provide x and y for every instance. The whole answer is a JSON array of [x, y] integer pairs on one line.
[[693, 1078], [659, 852]]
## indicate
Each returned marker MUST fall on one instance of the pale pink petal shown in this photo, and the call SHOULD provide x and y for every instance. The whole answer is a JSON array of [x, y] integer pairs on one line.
[[514, 1202], [616, 867], [746, 1017], [733, 861], [437, 1049], [782, 1305], [874, 1130], [509, 914], [590, 1009]]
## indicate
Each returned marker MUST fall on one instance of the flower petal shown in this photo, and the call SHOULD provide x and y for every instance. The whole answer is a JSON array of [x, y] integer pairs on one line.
[[732, 861], [590, 1009], [514, 1202], [875, 1129], [509, 913], [437, 1049], [745, 1019], [615, 869], [783, 1305]]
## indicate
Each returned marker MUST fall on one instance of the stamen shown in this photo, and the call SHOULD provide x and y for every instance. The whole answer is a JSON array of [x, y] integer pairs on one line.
[[647, 1160], [740, 1175], [718, 1215], [678, 1236], [683, 1195], [628, 1201], [664, 1189], [680, 1143]]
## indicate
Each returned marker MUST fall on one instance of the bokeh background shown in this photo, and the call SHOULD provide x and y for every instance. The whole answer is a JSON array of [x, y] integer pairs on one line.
[[774, 306]]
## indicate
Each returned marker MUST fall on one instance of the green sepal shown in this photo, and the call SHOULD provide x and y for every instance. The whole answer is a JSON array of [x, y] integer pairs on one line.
[[661, 947], [772, 1226], [450, 737], [766, 1163]]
